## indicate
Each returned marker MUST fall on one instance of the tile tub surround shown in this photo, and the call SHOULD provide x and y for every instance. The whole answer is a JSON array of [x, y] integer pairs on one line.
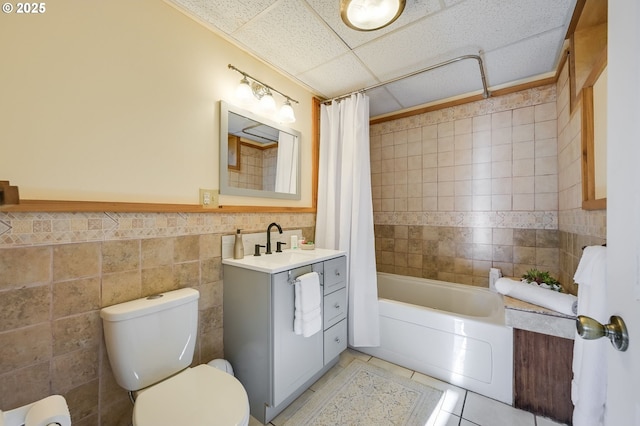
[[58, 270], [505, 164], [494, 155], [464, 254], [570, 253], [463, 189]]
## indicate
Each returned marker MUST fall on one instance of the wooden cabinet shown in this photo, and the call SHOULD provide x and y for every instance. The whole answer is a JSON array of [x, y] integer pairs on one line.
[[542, 374]]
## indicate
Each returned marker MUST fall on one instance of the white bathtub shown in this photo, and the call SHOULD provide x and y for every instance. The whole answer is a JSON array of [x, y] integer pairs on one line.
[[452, 332]]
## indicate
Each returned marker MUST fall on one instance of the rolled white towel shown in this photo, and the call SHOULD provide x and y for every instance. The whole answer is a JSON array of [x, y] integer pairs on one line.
[[559, 302]]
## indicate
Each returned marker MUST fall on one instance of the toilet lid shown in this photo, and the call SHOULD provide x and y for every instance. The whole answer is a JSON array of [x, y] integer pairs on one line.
[[202, 395]]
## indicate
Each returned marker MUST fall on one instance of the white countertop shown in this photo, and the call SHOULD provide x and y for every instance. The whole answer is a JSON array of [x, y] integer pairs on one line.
[[288, 259]]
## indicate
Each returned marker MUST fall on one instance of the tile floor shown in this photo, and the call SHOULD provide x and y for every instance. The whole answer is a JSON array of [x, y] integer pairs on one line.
[[459, 407]]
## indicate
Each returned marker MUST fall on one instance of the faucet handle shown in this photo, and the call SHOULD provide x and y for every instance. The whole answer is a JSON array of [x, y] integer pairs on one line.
[[279, 245], [256, 250]]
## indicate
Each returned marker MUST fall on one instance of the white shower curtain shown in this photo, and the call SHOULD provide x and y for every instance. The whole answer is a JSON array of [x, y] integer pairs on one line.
[[287, 164], [345, 211]]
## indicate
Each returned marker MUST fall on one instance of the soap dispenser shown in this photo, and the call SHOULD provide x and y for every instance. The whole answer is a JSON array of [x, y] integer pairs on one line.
[[238, 246]]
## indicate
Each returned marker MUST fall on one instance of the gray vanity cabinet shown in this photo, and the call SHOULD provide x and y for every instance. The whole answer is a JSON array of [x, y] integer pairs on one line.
[[274, 364], [295, 358]]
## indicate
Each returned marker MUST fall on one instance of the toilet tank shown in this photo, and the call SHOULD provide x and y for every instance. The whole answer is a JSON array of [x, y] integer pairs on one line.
[[151, 339]]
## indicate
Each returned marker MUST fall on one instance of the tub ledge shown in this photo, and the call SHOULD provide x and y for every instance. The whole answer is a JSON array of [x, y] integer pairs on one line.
[[526, 316]]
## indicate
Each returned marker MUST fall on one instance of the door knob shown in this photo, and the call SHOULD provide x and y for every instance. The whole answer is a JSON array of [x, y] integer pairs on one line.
[[616, 331]]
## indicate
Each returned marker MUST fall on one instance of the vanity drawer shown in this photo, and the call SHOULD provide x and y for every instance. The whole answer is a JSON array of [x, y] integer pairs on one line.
[[335, 307], [335, 274], [335, 341]]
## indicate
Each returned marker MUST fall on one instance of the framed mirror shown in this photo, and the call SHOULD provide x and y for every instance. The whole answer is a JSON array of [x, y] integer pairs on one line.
[[258, 157]]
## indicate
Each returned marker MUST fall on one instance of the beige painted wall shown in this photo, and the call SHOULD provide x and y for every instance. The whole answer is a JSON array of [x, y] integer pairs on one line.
[[119, 101]]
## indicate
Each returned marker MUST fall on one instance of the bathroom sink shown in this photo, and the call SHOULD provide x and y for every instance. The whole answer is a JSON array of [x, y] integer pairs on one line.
[[288, 259]]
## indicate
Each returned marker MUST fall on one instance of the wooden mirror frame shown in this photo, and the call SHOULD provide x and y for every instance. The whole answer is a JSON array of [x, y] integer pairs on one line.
[[587, 35], [589, 201]]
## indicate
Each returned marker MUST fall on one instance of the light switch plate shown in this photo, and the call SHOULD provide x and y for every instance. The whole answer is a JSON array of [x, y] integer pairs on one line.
[[209, 198]]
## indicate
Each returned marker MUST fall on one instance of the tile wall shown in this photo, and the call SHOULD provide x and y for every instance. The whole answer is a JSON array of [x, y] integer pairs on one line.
[[578, 228], [58, 270], [257, 169], [463, 189]]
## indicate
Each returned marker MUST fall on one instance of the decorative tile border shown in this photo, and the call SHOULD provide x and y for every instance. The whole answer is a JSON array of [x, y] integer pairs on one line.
[[29, 229], [520, 99], [500, 219], [584, 222]]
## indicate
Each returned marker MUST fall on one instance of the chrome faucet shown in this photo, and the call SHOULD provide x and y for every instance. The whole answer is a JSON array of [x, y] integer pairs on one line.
[[269, 236]]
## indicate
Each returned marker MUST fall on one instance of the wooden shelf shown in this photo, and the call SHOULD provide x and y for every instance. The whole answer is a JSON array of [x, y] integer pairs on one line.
[[106, 206]]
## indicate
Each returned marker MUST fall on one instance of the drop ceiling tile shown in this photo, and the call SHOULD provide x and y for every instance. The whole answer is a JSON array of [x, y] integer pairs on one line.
[[339, 76], [290, 36], [487, 25], [451, 80], [527, 58], [226, 15], [381, 102]]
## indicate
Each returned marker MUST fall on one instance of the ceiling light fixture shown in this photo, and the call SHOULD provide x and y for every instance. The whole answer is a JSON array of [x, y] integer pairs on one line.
[[247, 92], [370, 15]]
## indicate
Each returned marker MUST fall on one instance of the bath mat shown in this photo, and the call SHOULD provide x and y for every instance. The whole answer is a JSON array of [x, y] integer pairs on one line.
[[363, 394]]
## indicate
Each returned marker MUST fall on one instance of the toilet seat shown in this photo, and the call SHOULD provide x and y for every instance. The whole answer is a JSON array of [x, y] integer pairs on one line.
[[202, 395]]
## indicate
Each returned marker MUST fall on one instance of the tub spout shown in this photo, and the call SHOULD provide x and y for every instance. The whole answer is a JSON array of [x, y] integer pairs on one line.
[[269, 236]]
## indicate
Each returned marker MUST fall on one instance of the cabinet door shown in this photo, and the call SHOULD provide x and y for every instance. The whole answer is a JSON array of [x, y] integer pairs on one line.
[[296, 359]]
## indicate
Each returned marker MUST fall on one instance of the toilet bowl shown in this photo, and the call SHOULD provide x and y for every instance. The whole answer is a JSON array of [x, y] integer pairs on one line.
[[201, 395], [150, 343]]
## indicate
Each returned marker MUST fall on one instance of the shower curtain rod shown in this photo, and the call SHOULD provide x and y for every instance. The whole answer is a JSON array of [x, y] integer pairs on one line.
[[485, 94]]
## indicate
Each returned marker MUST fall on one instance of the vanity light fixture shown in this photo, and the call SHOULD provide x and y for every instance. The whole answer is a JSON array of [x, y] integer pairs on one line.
[[370, 15], [247, 91]]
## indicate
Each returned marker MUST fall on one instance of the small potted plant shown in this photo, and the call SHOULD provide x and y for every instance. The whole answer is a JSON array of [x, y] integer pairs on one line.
[[542, 279], [307, 245]]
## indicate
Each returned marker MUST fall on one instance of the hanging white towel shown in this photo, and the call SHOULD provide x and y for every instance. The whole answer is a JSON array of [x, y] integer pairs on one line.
[[589, 385], [307, 319]]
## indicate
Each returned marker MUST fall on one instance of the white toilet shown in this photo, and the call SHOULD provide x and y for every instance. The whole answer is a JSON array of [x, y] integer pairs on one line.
[[150, 343]]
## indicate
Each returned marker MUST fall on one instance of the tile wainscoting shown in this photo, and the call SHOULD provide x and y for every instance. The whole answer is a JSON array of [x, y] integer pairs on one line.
[[57, 270], [578, 228]]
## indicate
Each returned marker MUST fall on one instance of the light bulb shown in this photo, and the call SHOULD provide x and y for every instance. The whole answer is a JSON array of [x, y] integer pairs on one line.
[[369, 15], [286, 114], [267, 103], [243, 92]]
